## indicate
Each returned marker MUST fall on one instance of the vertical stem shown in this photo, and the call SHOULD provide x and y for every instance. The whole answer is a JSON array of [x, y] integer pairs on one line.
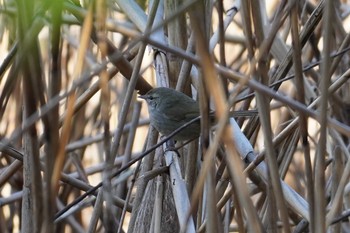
[[51, 122], [303, 126], [177, 36], [32, 205], [320, 204]]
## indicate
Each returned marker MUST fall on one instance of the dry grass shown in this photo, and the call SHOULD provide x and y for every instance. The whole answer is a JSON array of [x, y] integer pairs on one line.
[[74, 144]]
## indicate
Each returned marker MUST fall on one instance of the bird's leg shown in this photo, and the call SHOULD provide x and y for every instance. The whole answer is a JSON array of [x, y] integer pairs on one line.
[[170, 146]]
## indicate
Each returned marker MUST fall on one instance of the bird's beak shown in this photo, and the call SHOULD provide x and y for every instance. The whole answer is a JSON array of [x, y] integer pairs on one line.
[[143, 97]]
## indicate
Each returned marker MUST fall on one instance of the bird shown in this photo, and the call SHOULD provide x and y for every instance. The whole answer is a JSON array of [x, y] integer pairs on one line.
[[170, 109]]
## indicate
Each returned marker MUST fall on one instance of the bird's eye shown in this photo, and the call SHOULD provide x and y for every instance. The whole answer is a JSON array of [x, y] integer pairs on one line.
[[150, 97]]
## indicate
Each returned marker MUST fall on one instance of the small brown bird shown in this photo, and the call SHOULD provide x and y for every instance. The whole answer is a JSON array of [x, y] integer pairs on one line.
[[170, 109]]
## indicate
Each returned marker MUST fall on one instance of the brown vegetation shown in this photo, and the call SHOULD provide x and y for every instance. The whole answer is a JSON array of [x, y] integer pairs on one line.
[[77, 153]]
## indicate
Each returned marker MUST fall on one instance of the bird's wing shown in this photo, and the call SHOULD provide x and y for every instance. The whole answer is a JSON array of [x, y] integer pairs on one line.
[[184, 112]]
